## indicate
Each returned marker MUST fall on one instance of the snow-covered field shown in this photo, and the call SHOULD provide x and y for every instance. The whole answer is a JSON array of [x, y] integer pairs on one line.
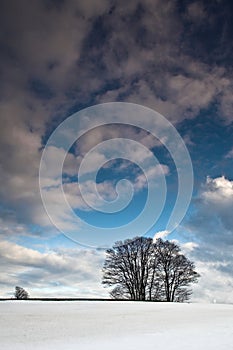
[[90, 325]]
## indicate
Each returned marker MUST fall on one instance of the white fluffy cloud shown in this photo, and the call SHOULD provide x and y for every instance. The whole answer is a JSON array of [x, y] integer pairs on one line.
[[217, 201], [161, 234]]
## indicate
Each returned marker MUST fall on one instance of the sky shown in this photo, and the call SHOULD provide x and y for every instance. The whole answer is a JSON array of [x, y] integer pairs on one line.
[[116, 121]]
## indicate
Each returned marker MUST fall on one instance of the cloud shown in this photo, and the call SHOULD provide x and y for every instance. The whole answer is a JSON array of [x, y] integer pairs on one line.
[[160, 234], [210, 227], [70, 270], [229, 155], [196, 12], [38, 64], [217, 200], [211, 221], [226, 103], [151, 176], [189, 246], [214, 284], [106, 132]]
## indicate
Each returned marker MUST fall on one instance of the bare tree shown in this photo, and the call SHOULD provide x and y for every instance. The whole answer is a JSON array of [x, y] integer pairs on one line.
[[174, 270], [127, 268], [120, 293], [140, 269], [21, 293]]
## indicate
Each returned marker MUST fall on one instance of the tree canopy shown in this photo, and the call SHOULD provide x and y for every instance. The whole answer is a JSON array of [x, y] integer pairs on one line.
[[141, 269], [21, 293]]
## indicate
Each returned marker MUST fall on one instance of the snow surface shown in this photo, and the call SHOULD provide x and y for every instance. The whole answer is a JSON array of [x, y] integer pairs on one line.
[[84, 325]]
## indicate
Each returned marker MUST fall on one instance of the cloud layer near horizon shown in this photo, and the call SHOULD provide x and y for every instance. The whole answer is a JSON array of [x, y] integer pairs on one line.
[[62, 272]]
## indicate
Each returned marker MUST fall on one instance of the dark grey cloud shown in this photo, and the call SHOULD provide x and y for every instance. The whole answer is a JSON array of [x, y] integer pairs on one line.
[[209, 25]]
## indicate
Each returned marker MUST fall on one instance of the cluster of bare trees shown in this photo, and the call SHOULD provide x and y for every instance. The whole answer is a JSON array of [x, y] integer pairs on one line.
[[141, 269]]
